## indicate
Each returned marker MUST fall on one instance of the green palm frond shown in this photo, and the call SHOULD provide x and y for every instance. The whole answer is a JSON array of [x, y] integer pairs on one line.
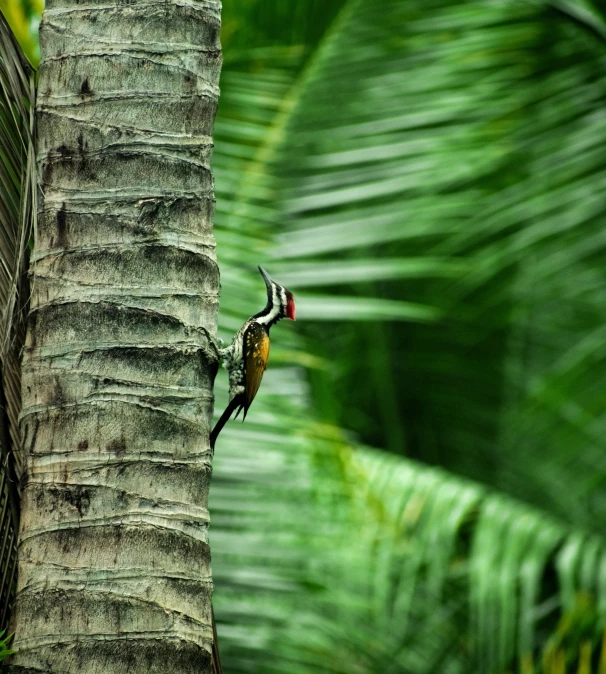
[[18, 212], [336, 559], [327, 556], [586, 12], [469, 133]]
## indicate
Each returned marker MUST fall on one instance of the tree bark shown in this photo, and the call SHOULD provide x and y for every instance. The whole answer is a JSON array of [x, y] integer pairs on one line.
[[119, 362]]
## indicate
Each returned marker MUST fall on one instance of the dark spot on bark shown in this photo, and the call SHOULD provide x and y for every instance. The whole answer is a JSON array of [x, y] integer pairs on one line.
[[83, 445], [191, 82], [64, 151], [58, 395], [61, 227], [78, 498], [80, 143], [85, 89], [66, 541], [40, 496], [117, 446]]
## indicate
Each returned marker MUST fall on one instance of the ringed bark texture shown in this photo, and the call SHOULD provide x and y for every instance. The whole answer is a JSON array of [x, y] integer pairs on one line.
[[119, 363]]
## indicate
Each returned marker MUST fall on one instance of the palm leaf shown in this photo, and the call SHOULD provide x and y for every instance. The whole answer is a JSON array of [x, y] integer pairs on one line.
[[469, 133], [17, 219], [330, 557]]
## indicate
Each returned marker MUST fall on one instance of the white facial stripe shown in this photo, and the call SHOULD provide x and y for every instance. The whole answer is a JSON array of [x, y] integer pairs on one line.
[[275, 307]]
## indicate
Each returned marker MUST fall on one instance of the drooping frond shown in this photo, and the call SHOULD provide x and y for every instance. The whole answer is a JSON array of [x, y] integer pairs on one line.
[[18, 213], [17, 220]]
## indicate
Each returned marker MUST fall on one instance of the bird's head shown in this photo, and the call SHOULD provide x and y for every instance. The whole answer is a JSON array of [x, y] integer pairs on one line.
[[280, 301]]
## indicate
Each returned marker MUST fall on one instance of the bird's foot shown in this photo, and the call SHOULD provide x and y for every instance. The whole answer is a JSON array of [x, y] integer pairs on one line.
[[219, 344]]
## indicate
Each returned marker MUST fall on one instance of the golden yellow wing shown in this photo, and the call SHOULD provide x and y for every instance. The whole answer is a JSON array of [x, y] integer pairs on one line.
[[256, 349]]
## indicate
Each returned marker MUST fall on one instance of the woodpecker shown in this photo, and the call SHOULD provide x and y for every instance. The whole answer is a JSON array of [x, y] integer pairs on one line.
[[246, 358]]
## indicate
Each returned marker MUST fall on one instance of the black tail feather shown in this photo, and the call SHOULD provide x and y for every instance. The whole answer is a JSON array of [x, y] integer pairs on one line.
[[236, 402]]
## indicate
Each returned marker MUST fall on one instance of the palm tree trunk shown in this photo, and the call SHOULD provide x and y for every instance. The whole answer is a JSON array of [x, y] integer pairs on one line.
[[119, 362]]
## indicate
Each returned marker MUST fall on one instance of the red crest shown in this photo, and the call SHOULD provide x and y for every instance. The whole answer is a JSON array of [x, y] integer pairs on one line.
[[290, 307]]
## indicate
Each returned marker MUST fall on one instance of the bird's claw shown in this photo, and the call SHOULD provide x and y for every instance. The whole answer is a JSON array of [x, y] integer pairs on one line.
[[218, 344]]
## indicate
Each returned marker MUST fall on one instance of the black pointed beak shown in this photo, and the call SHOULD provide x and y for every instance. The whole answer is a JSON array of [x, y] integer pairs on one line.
[[266, 278]]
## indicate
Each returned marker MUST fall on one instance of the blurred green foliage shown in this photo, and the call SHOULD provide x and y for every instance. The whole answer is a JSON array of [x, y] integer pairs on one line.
[[429, 179], [23, 17], [464, 136]]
